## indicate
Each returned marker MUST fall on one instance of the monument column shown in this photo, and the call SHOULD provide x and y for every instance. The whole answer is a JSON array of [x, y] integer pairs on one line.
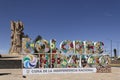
[[16, 37]]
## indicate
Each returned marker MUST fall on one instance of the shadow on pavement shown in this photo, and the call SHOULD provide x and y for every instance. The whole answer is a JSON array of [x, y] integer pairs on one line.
[[2, 74]]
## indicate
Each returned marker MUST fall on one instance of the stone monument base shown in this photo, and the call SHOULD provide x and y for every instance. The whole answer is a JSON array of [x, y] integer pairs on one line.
[[10, 61], [14, 54]]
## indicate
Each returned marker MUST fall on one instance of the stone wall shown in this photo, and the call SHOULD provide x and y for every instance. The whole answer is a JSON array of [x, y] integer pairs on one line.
[[10, 64]]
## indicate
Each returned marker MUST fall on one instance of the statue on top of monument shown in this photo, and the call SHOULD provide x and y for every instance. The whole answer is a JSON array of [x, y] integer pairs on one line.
[[16, 37]]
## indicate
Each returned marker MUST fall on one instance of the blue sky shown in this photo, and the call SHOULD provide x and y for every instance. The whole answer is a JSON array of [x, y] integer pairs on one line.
[[95, 20]]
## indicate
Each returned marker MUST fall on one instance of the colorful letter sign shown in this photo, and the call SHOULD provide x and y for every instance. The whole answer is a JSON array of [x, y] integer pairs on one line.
[[73, 56]]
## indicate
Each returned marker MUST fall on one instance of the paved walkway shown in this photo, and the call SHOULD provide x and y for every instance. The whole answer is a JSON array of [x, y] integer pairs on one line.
[[16, 74]]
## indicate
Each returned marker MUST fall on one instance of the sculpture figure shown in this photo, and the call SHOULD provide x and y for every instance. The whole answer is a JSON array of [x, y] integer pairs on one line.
[[16, 37]]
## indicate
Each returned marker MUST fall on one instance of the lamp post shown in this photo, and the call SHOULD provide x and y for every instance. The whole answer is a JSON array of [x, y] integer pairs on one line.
[[111, 47], [118, 47]]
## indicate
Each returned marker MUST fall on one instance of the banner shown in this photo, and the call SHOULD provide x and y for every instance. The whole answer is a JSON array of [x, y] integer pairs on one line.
[[58, 70]]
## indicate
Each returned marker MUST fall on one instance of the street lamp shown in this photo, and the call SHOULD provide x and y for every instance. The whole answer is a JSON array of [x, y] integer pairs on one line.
[[118, 47], [111, 47]]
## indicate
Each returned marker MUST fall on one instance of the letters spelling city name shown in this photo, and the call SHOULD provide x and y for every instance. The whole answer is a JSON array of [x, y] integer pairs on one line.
[[66, 46]]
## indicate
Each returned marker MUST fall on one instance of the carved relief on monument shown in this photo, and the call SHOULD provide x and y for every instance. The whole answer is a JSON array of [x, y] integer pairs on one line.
[[16, 37]]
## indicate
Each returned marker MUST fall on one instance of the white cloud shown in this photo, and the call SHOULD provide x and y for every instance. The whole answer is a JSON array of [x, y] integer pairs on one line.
[[3, 51]]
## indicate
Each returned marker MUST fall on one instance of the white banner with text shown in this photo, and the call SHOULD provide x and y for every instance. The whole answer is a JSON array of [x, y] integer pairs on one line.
[[58, 70]]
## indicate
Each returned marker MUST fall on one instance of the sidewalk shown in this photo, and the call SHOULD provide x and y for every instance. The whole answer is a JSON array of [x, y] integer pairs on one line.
[[16, 74]]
